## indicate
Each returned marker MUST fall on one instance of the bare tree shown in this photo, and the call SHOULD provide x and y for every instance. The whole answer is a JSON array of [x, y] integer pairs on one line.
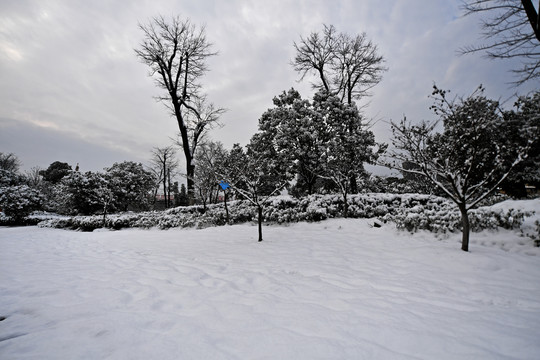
[[347, 66], [33, 177], [512, 28], [197, 126], [210, 161], [9, 162], [176, 52], [163, 163]]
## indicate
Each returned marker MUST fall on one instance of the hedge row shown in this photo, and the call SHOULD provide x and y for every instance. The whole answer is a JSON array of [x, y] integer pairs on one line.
[[411, 212]]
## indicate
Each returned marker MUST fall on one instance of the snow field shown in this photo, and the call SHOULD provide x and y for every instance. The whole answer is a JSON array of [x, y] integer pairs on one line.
[[338, 289]]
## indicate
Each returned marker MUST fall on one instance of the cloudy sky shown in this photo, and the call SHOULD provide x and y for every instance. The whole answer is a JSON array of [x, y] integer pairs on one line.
[[72, 89]]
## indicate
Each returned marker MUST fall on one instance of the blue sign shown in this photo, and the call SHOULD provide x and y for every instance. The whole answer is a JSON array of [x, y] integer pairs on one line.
[[224, 185]]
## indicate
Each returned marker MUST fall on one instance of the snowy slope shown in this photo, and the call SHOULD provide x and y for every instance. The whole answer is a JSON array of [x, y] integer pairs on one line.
[[339, 289]]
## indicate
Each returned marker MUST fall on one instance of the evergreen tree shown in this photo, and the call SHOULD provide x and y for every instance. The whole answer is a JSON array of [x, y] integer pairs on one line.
[[86, 193], [343, 141], [130, 184], [526, 115], [55, 172], [182, 196]]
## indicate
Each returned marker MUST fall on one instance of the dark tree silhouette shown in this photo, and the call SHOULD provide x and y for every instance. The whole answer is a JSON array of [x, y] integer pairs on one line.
[[56, 172], [347, 67], [176, 52]]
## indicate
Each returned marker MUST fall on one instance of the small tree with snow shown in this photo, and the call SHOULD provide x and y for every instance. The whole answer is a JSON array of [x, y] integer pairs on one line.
[[467, 160], [256, 174]]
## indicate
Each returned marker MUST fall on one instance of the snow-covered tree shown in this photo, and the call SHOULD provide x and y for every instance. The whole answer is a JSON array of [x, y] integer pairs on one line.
[[131, 185], [256, 174], [347, 67], [467, 160], [316, 139], [344, 142], [19, 201], [86, 193], [289, 129], [526, 114], [17, 198]]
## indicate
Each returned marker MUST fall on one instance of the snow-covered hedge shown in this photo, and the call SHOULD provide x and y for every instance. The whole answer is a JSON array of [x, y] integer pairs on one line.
[[444, 217], [410, 212]]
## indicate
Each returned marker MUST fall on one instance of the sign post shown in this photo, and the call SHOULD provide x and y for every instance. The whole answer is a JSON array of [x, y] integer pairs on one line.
[[224, 186]]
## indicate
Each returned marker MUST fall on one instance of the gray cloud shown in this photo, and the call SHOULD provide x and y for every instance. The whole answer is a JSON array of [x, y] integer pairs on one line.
[[40, 146], [71, 83]]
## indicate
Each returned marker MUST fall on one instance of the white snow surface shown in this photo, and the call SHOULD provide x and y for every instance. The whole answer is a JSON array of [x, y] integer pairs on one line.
[[338, 289]]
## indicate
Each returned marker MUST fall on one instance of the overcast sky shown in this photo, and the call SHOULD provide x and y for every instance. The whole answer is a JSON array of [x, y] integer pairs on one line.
[[72, 89]]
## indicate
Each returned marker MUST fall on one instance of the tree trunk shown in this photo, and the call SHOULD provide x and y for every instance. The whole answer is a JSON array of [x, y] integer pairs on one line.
[[533, 16], [165, 186], [260, 219], [354, 184], [345, 206], [226, 208], [466, 227], [169, 188], [155, 196], [191, 183]]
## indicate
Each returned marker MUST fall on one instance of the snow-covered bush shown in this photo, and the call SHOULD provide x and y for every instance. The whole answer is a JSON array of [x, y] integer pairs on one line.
[[443, 218], [19, 201], [536, 237], [531, 229], [410, 212]]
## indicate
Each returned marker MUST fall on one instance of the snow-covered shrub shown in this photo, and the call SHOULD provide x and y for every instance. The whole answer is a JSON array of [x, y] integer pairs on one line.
[[486, 218], [410, 212], [19, 201], [531, 229], [536, 237], [444, 217]]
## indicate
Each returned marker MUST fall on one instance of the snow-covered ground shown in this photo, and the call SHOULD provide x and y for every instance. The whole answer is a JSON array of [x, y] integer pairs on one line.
[[338, 289]]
